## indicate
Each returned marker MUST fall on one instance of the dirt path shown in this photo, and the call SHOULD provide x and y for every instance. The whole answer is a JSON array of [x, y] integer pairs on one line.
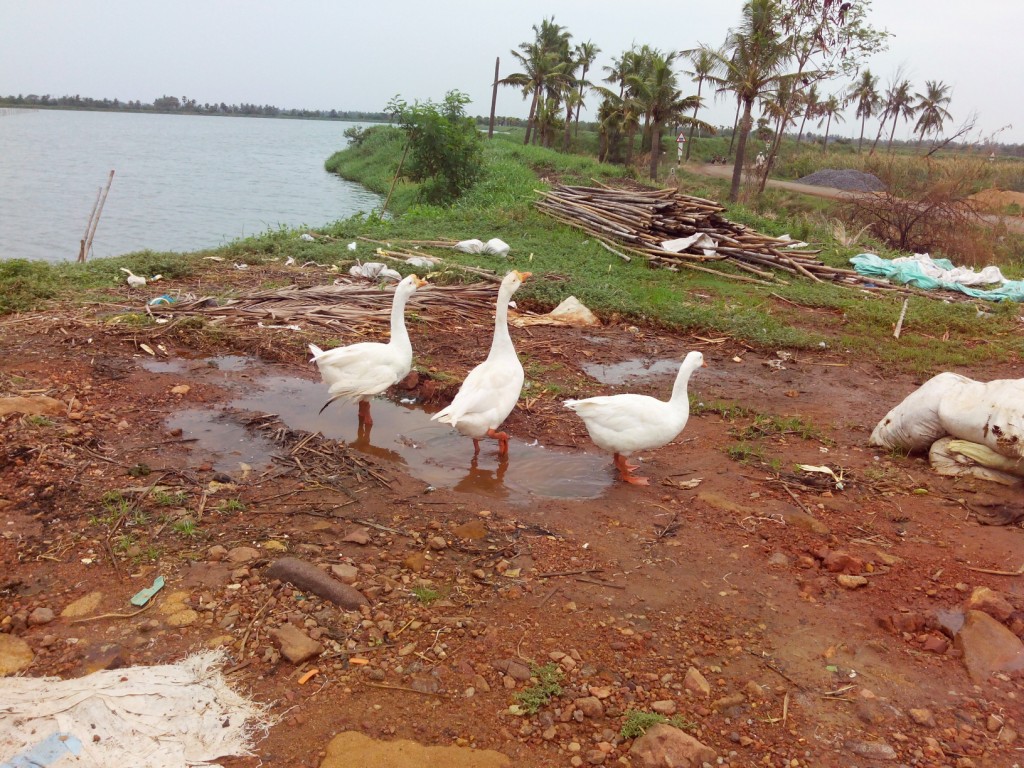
[[789, 619], [1012, 223]]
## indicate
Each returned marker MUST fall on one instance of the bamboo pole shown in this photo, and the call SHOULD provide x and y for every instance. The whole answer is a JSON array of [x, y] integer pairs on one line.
[[94, 221]]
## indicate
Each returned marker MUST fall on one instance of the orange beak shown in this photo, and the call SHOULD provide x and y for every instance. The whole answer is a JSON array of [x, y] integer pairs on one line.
[[420, 282], [523, 275]]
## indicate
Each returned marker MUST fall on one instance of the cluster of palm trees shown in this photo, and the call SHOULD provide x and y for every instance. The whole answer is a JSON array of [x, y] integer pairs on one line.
[[897, 103], [774, 61]]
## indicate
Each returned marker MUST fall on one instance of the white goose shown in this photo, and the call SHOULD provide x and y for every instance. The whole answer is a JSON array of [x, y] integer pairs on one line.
[[133, 280], [627, 423], [360, 371], [491, 390]]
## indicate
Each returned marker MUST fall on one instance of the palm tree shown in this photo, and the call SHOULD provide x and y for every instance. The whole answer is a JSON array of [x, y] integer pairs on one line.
[[751, 62], [586, 55], [704, 64], [898, 103], [656, 90], [931, 106], [811, 103], [865, 93], [830, 109], [544, 60]]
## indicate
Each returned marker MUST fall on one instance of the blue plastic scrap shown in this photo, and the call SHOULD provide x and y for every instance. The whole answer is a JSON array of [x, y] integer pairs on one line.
[[142, 597], [910, 273], [49, 750]]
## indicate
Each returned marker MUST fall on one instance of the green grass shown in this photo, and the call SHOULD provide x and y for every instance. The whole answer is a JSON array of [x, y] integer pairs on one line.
[[425, 594], [547, 686], [637, 723]]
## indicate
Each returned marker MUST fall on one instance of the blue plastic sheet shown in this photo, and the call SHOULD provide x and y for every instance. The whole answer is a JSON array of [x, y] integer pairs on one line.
[[910, 273]]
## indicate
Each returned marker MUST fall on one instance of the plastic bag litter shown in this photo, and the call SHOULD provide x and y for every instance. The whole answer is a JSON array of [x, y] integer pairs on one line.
[[915, 272], [988, 413], [374, 270], [494, 246], [422, 262], [959, 458], [168, 716], [307, 237], [569, 312], [699, 240]]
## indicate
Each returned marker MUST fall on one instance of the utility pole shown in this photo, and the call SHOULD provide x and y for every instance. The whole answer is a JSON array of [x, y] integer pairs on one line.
[[494, 98]]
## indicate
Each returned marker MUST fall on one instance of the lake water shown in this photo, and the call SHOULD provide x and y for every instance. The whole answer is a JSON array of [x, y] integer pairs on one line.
[[181, 182]]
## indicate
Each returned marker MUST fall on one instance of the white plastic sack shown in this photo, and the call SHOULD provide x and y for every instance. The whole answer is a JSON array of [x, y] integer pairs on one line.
[[699, 240], [496, 246], [168, 716], [914, 424], [569, 312], [943, 269], [988, 413], [470, 246], [959, 458], [374, 270], [421, 262]]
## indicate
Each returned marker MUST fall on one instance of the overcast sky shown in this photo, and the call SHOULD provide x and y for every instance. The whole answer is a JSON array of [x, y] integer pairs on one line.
[[324, 54]]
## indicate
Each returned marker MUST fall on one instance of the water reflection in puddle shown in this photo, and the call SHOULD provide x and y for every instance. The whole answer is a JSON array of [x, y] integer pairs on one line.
[[620, 373], [402, 433], [163, 366]]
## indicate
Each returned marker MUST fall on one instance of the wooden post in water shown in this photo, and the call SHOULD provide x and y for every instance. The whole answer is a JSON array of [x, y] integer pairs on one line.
[[94, 220], [494, 98], [88, 225]]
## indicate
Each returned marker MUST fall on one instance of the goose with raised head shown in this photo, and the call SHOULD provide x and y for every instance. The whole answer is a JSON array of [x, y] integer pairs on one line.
[[491, 390], [624, 424], [357, 372]]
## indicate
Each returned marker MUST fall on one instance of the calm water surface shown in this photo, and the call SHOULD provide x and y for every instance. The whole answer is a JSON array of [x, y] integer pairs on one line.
[[181, 182]]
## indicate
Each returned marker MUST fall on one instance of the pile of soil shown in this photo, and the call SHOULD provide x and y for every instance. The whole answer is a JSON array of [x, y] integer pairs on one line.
[[998, 200], [845, 179]]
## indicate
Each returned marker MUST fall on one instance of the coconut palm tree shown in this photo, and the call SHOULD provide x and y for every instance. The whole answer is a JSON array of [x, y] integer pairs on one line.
[[586, 55], [931, 106], [898, 103], [751, 61], [865, 92], [810, 103], [704, 64], [830, 109], [545, 62]]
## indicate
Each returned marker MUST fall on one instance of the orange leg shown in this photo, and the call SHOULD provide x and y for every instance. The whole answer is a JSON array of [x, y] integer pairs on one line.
[[476, 448], [502, 438], [626, 471], [364, 413]]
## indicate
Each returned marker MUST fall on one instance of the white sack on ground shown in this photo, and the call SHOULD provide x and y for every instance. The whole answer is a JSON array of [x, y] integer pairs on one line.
[[569, 312], [169, 716], [960, 458], [914, 424], [470, 246], [988, 413], [497, 246], [374, 270]]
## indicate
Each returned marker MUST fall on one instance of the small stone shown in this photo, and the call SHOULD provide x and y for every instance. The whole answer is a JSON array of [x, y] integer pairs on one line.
[[664, 745], [242, 554], [294, 644], [274, 546], [991, 602], [346, 573], [216, 553], [40, 616], [359, 536], [665, 707], [83, 606], [437, 543], [923, 717], [15, 654], [109, 656], [590, 706], [851, 582], [180, 389], [696, 682], [183, 618], [872, 750]]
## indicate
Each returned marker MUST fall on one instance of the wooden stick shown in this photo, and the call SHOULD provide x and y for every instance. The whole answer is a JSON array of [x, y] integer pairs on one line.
[[899, 323]]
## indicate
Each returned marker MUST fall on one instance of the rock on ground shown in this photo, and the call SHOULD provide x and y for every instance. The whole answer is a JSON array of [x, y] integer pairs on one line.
[[666, 747]]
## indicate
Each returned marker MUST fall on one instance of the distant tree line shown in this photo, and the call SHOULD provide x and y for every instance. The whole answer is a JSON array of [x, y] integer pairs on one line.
[[184, 105]]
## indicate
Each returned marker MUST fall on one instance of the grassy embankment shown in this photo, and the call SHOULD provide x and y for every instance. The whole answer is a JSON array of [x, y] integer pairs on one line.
[[800, 315]]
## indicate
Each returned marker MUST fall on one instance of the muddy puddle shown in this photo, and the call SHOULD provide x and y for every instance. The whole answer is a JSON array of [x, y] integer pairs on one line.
[[630, 370], [402, 434]]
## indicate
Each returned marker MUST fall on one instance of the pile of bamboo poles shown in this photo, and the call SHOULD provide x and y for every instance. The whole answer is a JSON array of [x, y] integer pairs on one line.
[[640, 221]]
